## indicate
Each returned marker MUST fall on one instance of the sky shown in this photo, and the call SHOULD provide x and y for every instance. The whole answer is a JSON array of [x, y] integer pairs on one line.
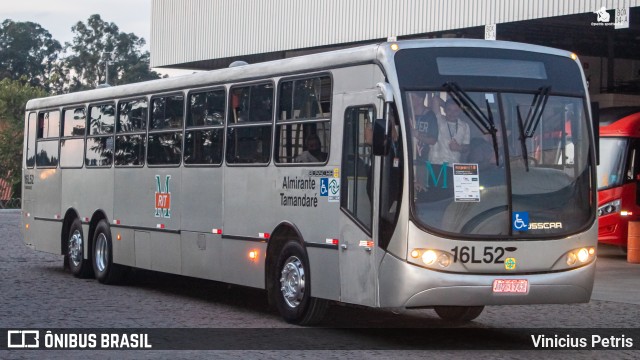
[[58, 16]]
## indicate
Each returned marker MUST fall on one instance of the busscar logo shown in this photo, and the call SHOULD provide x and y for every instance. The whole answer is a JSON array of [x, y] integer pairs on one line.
[[163, 198], [23, 339]]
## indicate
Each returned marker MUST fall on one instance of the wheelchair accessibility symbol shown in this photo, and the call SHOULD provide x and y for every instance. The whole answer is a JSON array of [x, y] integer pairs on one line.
[[520, 221]]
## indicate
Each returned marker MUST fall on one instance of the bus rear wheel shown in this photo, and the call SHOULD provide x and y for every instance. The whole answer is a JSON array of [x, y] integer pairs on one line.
[[458, 313], [104, 269], [75, 251], [292, 288]]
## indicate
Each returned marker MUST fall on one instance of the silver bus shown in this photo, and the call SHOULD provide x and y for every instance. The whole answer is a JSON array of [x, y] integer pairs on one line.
[[444, 174]]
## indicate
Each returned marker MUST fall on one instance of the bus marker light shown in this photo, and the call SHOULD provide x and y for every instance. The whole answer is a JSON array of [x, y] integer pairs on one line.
[[85, 219], [253, 255], [264, 235], [626, 213], [415, 254], [429, 257], [160, 226], [444, 260], [395, 47], [583, 255], [365, 243], [574, 56], [118, 237], [216, 231], [592, 251], [116, 222], [28, 214], [331, 241], [26, 226], [56, 216]]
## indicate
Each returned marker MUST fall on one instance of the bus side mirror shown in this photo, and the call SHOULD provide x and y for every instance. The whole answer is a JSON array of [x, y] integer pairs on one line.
[[380, 144], [381, 127]]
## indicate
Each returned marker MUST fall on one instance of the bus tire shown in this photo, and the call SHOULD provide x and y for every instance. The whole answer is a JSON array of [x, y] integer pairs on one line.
[[104, 269], [458, 313], [79, 266], [292, 288]]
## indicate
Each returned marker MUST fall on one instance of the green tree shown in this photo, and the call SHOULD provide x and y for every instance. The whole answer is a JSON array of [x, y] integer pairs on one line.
[[26, 49], [14, 95], [93, 44]]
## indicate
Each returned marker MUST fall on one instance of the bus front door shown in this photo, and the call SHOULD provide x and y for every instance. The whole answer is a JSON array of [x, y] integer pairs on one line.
[[358, 267]]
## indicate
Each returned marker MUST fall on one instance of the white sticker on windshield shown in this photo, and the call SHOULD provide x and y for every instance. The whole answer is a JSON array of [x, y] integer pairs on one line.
[[466, 182], [489, 98]]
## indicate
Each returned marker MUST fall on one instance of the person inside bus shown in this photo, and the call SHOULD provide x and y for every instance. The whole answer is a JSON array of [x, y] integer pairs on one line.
[[425, 133], [313, 153], [454, 134]]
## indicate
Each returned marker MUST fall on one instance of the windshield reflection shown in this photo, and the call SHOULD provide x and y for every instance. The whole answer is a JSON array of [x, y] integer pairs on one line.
[[460, 141]]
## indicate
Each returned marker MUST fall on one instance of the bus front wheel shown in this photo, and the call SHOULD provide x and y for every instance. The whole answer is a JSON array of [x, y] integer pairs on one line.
[[75, 251], [105, 270], [292, 287], [458, 313]]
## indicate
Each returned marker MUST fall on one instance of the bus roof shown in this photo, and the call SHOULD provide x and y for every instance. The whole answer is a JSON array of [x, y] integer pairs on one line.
[[374, 53], [620, 121]]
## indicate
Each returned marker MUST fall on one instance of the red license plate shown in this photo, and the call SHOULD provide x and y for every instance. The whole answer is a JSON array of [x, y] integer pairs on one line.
[[511, 286]]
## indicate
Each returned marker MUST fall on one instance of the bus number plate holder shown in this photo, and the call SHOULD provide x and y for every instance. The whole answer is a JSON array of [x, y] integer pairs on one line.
[[511, 286]]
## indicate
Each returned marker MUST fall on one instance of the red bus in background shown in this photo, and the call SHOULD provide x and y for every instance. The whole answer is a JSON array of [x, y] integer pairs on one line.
[[618, 173]]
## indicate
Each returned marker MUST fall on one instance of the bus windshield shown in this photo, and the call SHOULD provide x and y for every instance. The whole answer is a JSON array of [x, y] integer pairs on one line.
[[499, 163], [610, 170]]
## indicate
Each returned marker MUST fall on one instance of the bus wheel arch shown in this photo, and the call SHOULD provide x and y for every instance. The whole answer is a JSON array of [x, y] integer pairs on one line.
[[73, 244], [288, 278], [105, 270]]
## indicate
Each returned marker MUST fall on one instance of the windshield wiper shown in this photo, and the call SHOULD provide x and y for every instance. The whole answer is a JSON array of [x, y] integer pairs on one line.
[[480, 120], [530, 124]]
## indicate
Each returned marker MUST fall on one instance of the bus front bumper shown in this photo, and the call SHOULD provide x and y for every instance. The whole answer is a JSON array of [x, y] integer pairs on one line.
[[403, 285]]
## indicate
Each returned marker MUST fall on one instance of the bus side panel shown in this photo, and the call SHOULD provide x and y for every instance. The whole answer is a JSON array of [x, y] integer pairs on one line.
[[248, 201], [238, 265], [325, 273], [201, 205], [201, 210], [149, 198], [201, 255], [45, 235], [88, 190]]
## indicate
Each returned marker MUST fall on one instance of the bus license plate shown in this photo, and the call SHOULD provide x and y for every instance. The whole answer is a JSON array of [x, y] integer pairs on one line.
[[511, 286]]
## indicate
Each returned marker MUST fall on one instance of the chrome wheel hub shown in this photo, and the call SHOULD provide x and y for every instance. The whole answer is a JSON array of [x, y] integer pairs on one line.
[[75, 248], [292, 281], [102, 252]]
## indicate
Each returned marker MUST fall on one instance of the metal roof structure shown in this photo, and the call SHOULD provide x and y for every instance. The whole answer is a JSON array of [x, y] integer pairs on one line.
[[209, 34]]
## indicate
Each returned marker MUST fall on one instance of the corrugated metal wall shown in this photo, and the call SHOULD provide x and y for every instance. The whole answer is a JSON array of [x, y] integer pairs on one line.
[[184, 31]]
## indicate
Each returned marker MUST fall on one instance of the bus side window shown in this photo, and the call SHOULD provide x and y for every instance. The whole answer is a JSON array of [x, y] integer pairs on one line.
[[303, 123], [250, 124]]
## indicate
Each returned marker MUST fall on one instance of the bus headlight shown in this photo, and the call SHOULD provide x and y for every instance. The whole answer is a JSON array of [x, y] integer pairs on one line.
[[609, 208], [580, 256], [431, 257]]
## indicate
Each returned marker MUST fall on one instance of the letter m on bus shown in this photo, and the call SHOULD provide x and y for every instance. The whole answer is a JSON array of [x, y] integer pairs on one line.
[[163, 197]]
